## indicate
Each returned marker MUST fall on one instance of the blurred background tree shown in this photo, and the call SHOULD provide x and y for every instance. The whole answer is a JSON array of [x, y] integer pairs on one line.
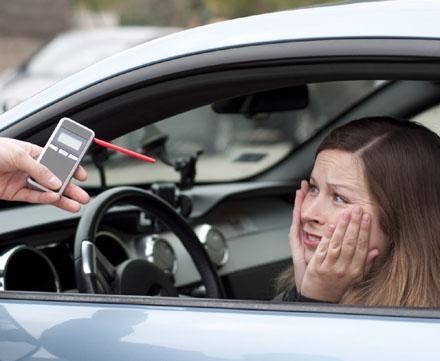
[[231, 9], [188, 13]]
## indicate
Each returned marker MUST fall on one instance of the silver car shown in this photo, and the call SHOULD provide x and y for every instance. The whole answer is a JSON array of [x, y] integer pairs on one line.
[[256, 95]]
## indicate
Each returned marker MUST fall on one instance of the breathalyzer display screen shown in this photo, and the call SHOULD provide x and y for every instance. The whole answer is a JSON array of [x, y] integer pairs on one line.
[[69, 140]]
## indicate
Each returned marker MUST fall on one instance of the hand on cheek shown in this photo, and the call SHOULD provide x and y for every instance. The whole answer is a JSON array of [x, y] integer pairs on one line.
[[296, 245], [341, 259]]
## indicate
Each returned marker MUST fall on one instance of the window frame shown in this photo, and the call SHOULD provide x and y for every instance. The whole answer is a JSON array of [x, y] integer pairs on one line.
[[241, 305], [311, 61]]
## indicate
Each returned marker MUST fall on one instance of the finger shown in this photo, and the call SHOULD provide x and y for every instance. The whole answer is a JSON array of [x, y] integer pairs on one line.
[[371, 256], [80, 174], [76, 193], [351, 235], [33, 149], [295, 234], [334, 247], [304, 187], [361, 250], [322, 249], [36, 170], [68, 204], [299, 199], [296, 214], [32, 196]]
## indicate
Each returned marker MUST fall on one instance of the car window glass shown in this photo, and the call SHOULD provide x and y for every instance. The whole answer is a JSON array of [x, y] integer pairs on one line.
[[235, 146]]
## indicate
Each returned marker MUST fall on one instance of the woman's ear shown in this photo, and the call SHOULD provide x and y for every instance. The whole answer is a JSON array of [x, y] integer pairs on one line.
[[372, 254]]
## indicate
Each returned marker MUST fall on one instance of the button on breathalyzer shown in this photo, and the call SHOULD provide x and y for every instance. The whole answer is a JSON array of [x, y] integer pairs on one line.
[[64, 151]]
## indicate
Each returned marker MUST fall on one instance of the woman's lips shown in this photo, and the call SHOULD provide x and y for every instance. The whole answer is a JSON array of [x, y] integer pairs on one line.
[[311, 240]]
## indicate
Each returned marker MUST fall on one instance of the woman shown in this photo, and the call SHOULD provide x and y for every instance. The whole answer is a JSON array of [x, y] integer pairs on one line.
[[366, 228]]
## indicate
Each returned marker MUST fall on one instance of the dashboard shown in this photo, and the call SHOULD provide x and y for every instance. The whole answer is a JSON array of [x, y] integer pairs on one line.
[[243, 227]]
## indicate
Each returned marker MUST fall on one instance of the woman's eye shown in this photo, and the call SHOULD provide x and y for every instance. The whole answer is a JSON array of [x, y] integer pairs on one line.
[[313, 189], [339, 199]]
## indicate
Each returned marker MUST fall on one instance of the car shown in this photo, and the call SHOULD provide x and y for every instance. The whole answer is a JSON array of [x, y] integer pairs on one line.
[[83, 46], [234, 112]]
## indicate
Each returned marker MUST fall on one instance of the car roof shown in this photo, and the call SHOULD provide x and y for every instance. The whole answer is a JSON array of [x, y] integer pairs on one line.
[[388, 19]]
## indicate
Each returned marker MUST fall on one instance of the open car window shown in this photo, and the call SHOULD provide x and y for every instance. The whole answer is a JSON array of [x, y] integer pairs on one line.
[[235, 145]]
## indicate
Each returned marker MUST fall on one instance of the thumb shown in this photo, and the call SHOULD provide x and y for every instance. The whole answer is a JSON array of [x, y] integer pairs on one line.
[[372, 254], [38, 171]]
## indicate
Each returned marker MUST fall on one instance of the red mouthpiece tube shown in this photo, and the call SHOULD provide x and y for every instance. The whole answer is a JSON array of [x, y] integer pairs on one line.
[[128, 152]]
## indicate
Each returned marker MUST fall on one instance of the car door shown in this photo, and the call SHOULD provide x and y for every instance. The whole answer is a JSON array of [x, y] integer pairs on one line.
[[73, 327]]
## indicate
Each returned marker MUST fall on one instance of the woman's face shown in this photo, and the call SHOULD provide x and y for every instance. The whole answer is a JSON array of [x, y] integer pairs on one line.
[[337, 184]]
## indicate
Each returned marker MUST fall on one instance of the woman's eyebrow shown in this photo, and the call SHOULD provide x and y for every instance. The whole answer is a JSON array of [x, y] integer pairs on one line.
[[336, 185]]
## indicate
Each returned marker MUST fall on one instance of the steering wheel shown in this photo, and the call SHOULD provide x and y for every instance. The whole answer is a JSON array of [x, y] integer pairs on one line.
[[95, 273]]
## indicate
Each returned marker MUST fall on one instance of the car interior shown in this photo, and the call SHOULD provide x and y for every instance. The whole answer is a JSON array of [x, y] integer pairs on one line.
[[210, 219]]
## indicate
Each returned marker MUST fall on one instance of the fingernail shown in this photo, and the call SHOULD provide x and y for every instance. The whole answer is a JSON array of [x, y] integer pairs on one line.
[[54, 182], [346, 216], [357, 210], [366, 218]]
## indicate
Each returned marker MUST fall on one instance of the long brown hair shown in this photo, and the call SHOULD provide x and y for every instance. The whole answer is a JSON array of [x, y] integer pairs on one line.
[[400, 163]]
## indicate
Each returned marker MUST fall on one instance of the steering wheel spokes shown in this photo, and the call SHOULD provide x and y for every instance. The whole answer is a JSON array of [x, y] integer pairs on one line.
[[101, 276], [96, 274]]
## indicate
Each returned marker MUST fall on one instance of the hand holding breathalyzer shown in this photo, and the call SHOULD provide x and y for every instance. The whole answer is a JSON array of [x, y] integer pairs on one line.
[[18, 160], [60, 158]]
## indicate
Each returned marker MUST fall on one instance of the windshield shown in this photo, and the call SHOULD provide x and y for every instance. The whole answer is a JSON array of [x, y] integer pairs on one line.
[[235, 146]]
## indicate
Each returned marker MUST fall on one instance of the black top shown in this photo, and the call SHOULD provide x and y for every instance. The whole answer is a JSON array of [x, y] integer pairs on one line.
[[292, 295]]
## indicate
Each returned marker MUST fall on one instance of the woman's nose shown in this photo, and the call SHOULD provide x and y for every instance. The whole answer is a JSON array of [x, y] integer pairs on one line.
[[313, 210]]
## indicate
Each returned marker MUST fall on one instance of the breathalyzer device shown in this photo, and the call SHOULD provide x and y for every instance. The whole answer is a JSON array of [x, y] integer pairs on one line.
[[64, 151]]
